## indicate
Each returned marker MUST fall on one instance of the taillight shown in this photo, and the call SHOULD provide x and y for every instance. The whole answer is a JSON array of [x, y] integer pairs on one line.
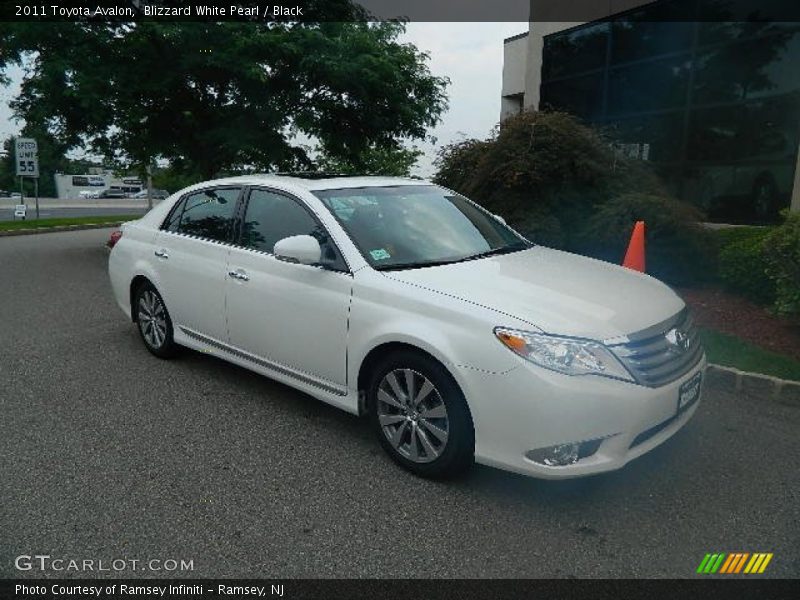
[[115, 237]]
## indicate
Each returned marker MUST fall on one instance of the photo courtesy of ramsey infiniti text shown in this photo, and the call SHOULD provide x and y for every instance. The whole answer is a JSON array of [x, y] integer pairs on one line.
[[398, 299]]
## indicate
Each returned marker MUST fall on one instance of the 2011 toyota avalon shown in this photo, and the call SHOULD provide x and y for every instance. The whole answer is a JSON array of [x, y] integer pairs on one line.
[[405, 301]]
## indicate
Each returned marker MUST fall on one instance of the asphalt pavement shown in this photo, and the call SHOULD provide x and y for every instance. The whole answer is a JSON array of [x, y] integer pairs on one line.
[[107, 452]]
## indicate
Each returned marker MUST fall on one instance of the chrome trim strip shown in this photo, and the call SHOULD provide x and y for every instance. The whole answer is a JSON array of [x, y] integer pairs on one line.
[[264, 363], [651, 359], [651, 331]]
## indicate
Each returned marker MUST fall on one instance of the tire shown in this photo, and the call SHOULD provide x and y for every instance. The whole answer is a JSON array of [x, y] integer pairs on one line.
[[153, 322], [434, 438]]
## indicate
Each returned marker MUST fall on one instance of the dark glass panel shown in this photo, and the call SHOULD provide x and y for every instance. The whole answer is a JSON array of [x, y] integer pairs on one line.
[[635, 40], [656, 28], [757, 131], [575, 51], [749, 69], [581, 96], [653, 138], [653, 85], [730, 20], [714, 133]]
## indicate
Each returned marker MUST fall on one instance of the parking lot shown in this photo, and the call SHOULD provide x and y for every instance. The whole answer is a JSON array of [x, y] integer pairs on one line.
[[107, 452]]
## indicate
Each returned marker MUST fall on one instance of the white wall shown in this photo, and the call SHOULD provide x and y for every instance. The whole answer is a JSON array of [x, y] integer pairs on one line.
[[515, 54], [515, 58]]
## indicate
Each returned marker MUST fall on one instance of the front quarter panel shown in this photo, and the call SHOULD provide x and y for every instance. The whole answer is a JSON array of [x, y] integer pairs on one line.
[[458, 334]]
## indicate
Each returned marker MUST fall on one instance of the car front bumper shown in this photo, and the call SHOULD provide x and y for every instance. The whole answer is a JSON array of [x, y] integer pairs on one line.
[[529, 408]]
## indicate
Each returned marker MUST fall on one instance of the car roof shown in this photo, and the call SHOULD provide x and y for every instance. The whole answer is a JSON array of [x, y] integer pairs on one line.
[[315, 184]]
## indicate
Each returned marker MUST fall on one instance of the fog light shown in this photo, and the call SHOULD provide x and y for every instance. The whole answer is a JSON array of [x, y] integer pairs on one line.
[[560, 455]]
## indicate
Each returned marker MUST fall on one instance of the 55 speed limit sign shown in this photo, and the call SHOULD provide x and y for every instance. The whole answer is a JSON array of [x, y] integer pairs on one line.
[[27, 158]]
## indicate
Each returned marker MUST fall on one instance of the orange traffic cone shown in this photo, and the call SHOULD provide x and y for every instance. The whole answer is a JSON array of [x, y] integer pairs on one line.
[[634, 257]]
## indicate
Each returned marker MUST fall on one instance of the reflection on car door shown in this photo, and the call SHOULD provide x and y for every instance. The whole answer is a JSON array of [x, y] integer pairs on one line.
[[290, 315], [191, 255]]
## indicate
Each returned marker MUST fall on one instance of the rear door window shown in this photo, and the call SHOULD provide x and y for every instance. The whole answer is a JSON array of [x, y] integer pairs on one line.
[[207, 214]]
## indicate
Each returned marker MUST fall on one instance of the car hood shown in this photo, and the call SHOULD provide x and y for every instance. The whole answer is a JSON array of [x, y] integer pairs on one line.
[[555, 291]]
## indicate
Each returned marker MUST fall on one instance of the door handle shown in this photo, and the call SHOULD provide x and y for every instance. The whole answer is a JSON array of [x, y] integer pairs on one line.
[[161, 253], [239, 274]]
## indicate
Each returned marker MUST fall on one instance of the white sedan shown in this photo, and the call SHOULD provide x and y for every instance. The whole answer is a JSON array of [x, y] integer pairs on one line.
[[404, 301]]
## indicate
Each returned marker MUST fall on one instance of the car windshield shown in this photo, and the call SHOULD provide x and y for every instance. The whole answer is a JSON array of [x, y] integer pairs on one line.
[[409, 226]]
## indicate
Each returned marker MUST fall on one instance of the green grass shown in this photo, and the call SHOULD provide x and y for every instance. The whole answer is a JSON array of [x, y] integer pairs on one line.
[[731, 351], [44, 223]]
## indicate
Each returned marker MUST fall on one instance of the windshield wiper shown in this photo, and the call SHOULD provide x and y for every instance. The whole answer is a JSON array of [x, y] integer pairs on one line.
[[450, 261], [498, 251], [416, 265]]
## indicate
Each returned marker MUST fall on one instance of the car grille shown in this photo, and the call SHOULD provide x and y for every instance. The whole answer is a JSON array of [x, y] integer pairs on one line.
[[662, 353]]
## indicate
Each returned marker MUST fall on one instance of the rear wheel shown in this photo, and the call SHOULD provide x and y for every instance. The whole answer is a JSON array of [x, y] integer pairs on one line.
[[420, 416], [153, 321]]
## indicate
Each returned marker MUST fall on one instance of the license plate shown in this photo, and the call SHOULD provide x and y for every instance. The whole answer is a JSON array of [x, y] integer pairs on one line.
[[689, 392]]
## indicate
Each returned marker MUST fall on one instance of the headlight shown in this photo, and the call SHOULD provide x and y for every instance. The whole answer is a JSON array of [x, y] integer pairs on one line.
[[566, 355]]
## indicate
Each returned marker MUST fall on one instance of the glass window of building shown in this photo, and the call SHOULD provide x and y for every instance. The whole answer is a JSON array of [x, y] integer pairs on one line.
[[724, 21], [575, 51], [749, 69], [758, 131], [633, 40], [713, 104], [653, 138], [582, 96], [654, 29], [647, 86], [714, 133]]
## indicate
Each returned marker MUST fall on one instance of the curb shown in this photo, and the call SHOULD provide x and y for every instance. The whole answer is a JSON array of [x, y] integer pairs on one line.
[[743, 382], [58, 228]]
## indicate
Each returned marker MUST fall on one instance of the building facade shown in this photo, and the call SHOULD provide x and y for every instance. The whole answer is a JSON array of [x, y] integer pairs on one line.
[[713, 103], [75, 187]]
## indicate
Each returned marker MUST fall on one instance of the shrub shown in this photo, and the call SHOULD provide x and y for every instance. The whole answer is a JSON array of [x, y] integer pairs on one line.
[[742, 265], [543, 172], [782, 255], [679, 249], [561, 184]]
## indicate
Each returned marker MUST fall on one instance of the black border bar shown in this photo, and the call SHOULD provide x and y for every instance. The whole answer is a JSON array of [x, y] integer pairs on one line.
[[709, 588], [567, 11]]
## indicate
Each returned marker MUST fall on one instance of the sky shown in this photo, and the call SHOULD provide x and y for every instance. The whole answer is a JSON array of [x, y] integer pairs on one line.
[[470, 54]]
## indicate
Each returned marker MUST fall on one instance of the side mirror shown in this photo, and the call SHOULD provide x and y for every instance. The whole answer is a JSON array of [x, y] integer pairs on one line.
[[499, 218], [302, 249]]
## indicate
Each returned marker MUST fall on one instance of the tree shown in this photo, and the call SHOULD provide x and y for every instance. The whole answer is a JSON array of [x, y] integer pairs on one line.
[[224, 96], [389, 161]]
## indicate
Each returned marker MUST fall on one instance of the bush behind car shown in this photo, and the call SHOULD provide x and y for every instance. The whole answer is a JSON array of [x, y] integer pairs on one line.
[[562, 184]]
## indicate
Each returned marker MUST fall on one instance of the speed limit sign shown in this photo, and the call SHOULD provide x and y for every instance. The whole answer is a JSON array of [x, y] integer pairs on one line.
[[27, 158]]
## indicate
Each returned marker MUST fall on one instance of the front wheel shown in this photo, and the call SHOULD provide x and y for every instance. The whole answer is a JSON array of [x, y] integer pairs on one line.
[[154, 323], [420, 416]]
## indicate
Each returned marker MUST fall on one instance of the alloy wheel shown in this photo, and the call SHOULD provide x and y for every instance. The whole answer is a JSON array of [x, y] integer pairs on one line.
[[152, 319], [412, 415]]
